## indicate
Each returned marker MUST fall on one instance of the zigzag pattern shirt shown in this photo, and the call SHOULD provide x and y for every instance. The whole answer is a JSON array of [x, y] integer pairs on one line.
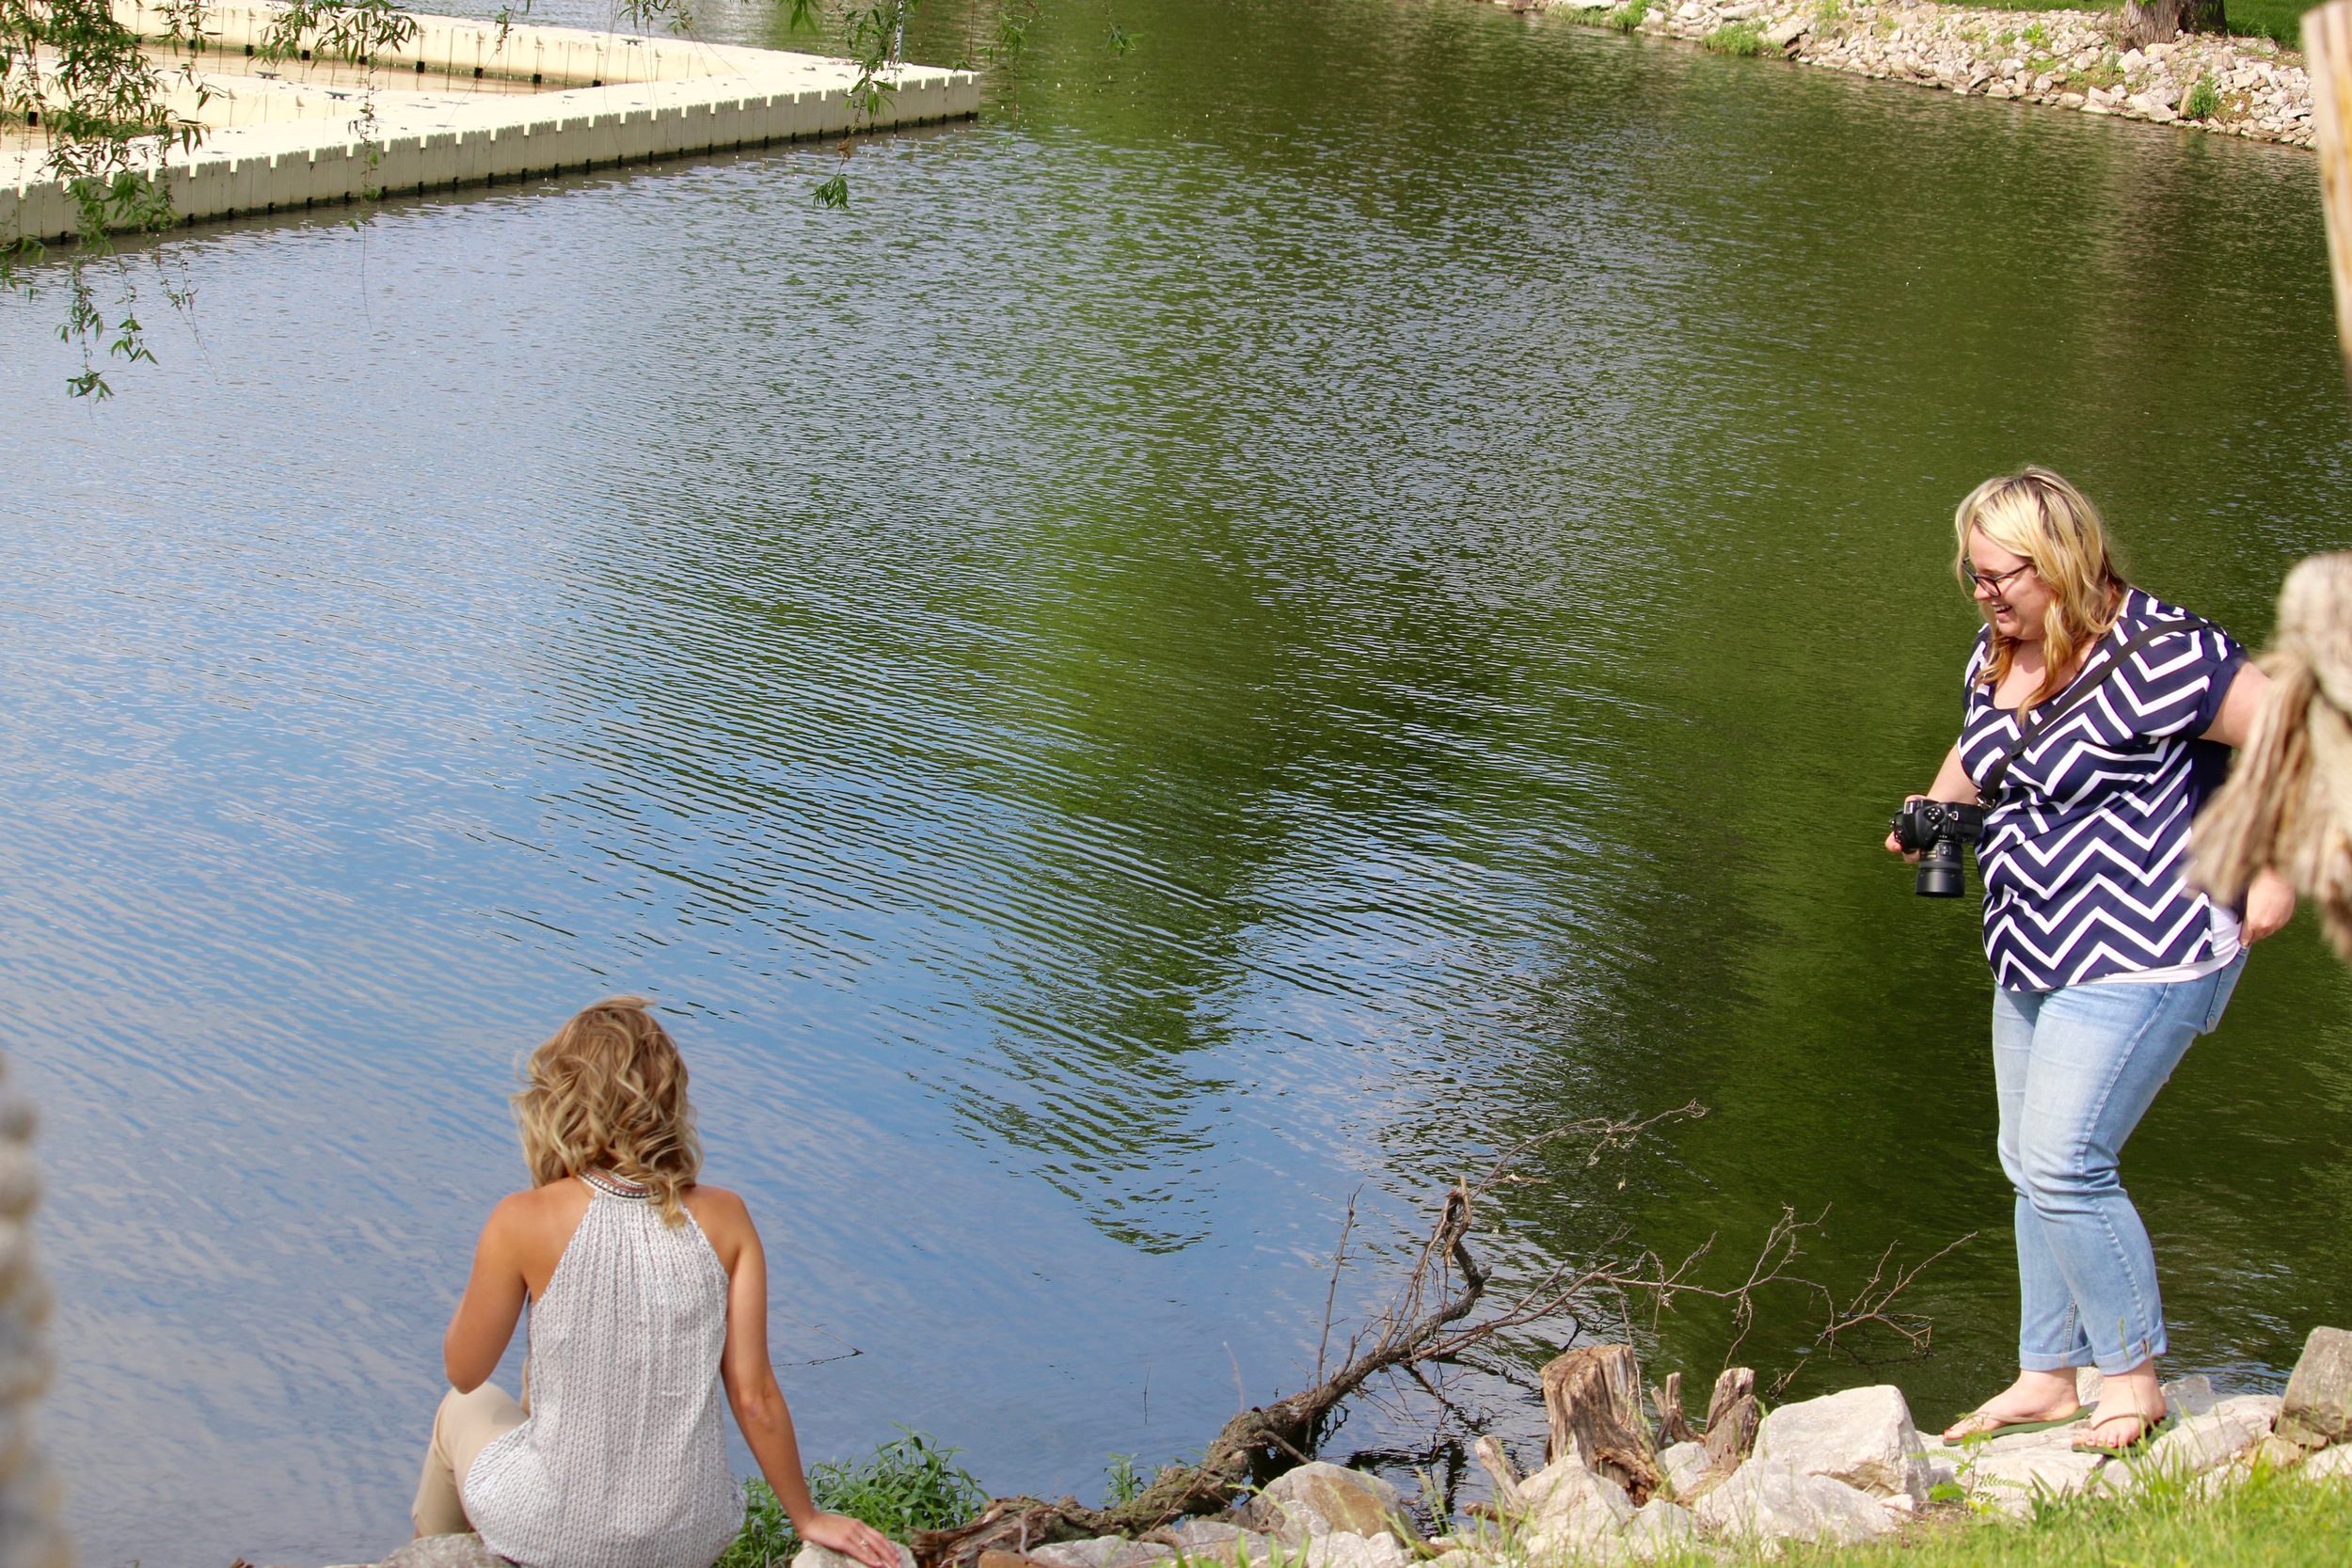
[[2083, 851]]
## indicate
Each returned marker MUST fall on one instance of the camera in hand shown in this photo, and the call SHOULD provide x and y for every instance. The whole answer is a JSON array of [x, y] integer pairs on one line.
[[1936, 830]]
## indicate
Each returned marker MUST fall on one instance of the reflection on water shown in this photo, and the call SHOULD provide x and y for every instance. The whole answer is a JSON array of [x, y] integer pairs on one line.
[[1289, 608]]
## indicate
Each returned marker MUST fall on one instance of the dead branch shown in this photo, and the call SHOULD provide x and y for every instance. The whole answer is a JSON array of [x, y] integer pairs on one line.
[[1441, 1314], [1871, 1304]]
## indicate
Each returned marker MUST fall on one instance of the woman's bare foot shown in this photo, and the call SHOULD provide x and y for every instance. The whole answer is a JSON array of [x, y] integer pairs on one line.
[[2034, 1397], [2131, 1405], [2118, 1432]]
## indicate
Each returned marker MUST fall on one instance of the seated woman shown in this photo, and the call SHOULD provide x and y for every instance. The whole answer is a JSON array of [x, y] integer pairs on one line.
[[648, 1294]]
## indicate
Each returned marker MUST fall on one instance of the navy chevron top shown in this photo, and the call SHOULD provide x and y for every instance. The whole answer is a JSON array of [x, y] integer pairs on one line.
[[2083, 851]]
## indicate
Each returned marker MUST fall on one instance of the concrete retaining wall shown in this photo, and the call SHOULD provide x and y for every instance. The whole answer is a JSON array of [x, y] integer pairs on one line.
[[738, 98]]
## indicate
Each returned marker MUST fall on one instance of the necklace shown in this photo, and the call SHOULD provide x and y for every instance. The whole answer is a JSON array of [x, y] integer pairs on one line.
[[613, 1186]]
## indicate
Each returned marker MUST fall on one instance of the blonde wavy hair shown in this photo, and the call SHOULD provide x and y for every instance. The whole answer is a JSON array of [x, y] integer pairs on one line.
[[2288, 804], [2045, 520], [607, 1092]]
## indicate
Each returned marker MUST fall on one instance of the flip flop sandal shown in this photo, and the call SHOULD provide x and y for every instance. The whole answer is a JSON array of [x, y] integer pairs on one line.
[[2149, 1432], [1993, 1426]]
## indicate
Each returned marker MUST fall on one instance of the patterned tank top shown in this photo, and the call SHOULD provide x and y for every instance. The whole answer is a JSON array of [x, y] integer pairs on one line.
[[2083, 850], [623, 1461]]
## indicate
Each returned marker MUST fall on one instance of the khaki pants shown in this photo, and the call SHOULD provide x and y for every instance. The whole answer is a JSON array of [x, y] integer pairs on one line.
[[462, 1427]]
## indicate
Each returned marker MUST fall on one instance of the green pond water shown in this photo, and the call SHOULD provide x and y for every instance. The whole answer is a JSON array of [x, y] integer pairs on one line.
[[1291, 607]]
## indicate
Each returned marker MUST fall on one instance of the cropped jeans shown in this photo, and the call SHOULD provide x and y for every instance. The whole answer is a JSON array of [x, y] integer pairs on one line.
[[2076, 1069]]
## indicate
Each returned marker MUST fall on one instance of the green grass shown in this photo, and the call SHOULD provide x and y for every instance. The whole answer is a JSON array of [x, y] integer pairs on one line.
[[2277, 19], [908, 1483], [1735, 37], [2270, 1521], [2202, 102], [1626, 18]]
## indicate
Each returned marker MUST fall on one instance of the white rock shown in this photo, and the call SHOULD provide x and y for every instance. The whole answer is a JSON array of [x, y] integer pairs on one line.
[[1771, 1500], [2203, 1443], [1662, 1529], [1097, 1553], [1346, 1549], [1683, 1466], [1318, 1498], [825, 1557], [1569, 1508], [2256, 1409], [2328, 1464], [2014, 1480], [1782, 34], [1210, 1540], [1863, 1437]]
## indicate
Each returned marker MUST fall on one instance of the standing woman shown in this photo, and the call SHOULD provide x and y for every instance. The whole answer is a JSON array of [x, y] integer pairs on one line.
[[2106, 966], [649, 1298]]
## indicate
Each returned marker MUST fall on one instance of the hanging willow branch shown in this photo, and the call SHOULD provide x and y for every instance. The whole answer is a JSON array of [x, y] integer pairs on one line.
[[74, 79]]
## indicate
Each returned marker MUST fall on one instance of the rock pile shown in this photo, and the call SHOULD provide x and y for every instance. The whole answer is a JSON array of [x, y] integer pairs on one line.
[[2241, 86]]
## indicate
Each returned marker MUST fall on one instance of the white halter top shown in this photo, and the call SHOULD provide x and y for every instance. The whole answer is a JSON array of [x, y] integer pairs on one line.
[[623, 1461]]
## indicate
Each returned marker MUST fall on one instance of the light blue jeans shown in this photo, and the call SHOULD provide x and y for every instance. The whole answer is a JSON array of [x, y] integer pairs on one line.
[[2076, 1069]]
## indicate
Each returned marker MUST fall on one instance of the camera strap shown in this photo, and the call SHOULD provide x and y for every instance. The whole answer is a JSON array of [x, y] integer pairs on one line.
[[2074, 696]]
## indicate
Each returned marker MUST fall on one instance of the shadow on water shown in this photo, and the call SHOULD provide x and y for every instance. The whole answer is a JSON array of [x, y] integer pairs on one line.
[[1291, 608]]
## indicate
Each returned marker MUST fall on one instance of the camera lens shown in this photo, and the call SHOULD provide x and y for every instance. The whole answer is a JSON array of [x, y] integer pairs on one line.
[[1940, 874]]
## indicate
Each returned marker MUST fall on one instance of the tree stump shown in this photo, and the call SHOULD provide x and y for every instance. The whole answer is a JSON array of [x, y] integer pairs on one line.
[[1672, 1425], [1732, 1417], [1592, 1399]]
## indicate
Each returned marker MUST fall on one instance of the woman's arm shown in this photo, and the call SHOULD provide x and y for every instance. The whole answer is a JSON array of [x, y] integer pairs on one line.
[[2269, 897], [750, 1384], [486, 1317]]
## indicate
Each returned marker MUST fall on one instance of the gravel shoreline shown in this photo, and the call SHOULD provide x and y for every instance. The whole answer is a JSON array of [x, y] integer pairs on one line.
[[2238, 87]]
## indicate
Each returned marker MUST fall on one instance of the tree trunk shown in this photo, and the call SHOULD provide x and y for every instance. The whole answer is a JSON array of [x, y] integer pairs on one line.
[[1593, 1399], [2328, 54], [2147, 22]]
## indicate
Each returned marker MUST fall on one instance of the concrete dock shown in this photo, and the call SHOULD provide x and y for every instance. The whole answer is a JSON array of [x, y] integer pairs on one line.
[[461, 104]]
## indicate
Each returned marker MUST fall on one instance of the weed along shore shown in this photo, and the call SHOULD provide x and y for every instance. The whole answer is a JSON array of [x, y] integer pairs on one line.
[[2238, 87]]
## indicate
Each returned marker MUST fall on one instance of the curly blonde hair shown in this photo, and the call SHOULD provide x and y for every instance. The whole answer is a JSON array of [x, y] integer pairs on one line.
[[607, 1092], [2049, 522], [2288, 804]]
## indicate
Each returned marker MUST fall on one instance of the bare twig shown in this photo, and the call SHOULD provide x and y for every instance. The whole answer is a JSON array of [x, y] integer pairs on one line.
[[1331, 1298]]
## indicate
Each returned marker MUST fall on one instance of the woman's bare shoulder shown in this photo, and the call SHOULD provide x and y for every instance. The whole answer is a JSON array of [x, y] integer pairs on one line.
[[723, 1215], [533, 1214], [709, 1203]]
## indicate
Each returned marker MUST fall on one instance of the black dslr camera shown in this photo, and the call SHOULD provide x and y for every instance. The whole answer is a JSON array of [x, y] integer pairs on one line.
[[1936, 830]]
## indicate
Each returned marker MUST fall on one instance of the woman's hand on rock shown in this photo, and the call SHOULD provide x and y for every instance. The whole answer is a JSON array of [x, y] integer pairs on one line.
[[852, 1537], [2270, 905]]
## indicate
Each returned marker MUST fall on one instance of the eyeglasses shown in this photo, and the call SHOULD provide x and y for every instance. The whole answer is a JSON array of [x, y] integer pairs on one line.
[[1990, 582]]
